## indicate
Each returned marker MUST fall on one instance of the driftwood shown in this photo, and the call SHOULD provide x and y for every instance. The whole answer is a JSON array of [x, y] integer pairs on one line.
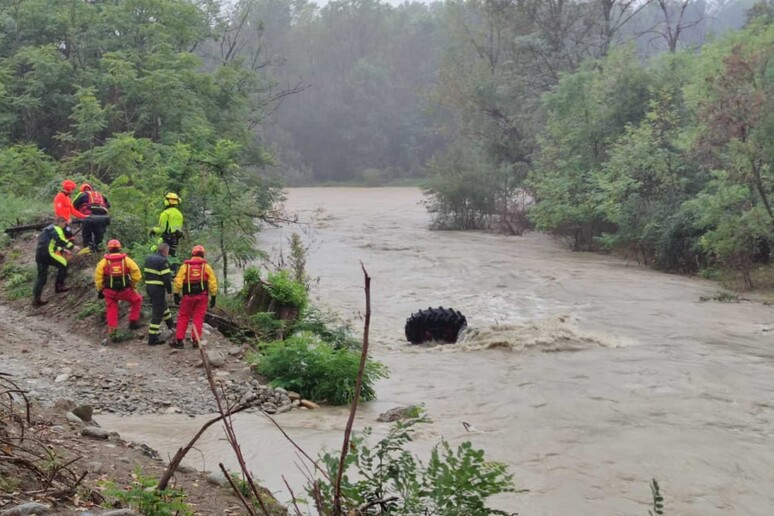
[[15, 230]]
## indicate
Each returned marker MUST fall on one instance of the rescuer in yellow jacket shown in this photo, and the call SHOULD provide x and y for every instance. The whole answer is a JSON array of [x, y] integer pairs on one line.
[[116, 277], [170, 227]]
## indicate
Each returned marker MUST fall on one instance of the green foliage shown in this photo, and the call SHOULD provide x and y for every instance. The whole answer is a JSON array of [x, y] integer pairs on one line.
[[306, 364], [462, 190], [17, 280], [89, 309], [287, 291], [658, 499], [454, 482], [721, 297], [142, 496], [328, 327], [18, 210]]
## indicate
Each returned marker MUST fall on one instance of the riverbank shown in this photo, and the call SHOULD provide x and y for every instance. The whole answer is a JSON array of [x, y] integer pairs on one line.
[[58, 357]]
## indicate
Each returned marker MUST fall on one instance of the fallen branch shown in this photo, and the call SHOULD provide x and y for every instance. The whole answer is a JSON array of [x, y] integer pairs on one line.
[[181, 452]]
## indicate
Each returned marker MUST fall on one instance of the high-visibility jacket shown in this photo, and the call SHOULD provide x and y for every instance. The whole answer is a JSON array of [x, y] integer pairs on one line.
[[51, 240], [170, 221], [104, 279], [63, 207], [196, 276], [157, 271], [91, 202]]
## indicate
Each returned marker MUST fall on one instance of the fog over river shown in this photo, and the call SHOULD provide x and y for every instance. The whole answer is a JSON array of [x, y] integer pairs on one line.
[[587, 375]]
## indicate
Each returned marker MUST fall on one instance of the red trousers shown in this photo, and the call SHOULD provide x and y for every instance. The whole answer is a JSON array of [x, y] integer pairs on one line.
[[191, 306], [112, 297]]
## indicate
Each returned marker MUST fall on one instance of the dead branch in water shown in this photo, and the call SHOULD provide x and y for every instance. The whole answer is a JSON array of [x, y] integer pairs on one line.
[[358, 388]]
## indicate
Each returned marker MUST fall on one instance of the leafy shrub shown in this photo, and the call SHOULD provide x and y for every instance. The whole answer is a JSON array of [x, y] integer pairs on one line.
[[328, 327], [266, 326], [89, 309], [286, 291], [306, 364], [18, 210], [454, 482], [141, 496], [251, 276]]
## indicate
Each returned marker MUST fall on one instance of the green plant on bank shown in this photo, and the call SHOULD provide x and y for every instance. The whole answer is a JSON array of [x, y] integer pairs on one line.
[[286, 291], [306, 364], [267, 327], [141, 496], [89, 309], [721, 297], [328, 327], [121, 335], [454, 482], [17, 280], [241, 483]]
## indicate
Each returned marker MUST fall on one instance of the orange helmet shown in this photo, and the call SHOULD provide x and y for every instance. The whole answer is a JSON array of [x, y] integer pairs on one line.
[[198, 250], [68, 185], [114, 245], [85, 187]]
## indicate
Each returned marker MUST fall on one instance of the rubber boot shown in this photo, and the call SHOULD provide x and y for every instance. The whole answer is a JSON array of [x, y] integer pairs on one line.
[[177, 344], [135, 325], [194, 343], [154, 340], [37, 302], [60, 288]]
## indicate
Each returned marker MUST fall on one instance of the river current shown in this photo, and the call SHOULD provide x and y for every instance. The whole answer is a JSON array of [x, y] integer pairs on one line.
[[586, 374]]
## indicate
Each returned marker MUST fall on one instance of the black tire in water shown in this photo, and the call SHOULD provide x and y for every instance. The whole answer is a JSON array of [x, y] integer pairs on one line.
[[439, 324]]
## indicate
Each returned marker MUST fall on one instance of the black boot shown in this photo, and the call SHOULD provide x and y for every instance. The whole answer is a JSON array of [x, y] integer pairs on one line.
[[135, 325], [177, 344], [154, 340], [60, 287], [37, 302], [171, 324], [194, 343]]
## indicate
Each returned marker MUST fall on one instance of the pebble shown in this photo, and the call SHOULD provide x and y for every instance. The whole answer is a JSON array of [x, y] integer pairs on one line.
[[62, 378], [217, 478]]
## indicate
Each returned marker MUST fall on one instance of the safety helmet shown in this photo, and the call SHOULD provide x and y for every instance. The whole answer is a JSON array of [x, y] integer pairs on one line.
[[68, 185], [114, 245], [172, 199], [85, 187], [198, 250]]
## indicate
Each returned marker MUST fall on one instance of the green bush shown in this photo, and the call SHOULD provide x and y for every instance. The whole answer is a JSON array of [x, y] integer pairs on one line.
[[21, 210], [286, 291], [454, 482], [328, 327], [142, 496], [306, 364]]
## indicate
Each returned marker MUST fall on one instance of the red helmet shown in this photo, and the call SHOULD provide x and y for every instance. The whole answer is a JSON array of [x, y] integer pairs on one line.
[[68, 185], [114, 245], [85, 187], [198, 250]]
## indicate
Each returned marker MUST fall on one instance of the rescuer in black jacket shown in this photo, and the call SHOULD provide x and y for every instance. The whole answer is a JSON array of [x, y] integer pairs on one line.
[[158, 283]]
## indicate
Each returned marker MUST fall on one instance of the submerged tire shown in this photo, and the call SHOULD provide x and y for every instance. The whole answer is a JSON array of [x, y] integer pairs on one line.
[[440, 324]]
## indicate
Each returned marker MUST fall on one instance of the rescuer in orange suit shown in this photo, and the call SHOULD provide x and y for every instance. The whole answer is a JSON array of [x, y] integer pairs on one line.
[[63, 206]]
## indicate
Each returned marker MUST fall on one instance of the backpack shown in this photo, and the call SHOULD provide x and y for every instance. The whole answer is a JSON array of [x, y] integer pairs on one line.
[[97, 204], [117, 274], [196, 276]]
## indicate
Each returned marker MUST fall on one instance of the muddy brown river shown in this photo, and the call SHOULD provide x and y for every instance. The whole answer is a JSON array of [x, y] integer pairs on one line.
[[587, 375]]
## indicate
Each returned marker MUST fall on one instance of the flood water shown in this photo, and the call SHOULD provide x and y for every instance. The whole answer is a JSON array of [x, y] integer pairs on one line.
[[587, 375]]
